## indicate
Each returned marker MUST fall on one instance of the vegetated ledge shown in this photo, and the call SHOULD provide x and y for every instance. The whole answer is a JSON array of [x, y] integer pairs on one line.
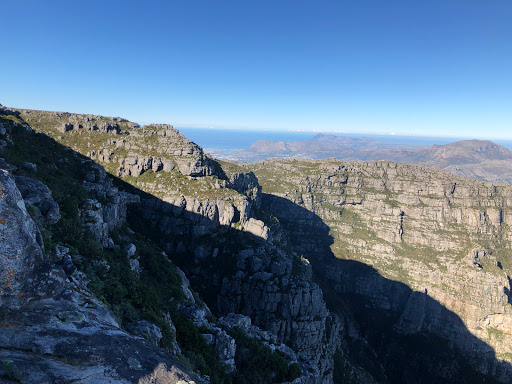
[[130, 274], [249, 291]]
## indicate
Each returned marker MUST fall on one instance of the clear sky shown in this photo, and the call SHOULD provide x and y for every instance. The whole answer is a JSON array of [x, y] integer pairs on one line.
[[415, 67]]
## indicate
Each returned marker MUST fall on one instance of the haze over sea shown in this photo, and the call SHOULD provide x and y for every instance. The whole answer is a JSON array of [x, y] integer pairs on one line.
[[232, 139]]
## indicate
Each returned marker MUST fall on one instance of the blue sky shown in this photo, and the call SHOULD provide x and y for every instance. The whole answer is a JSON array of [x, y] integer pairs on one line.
[[437, 67]]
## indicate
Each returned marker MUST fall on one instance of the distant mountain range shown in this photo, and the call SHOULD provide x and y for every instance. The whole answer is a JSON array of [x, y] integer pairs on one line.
[[476, 159]]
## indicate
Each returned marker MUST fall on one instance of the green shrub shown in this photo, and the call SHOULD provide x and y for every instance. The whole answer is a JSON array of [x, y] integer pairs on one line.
[[10, 372], [256, 363], [32, 211]]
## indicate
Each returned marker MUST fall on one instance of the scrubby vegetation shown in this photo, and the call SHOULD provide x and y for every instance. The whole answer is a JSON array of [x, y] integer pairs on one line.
[[257, 364], [132, 297]]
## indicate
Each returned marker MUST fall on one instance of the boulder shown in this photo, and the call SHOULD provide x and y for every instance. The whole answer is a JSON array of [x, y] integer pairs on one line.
[[36, 194]]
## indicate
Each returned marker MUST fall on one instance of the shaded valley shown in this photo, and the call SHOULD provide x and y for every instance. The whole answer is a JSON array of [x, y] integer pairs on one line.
[[208, 271]]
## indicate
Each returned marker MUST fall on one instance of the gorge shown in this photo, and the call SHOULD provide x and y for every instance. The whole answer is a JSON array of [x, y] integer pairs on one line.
[[130, 255]]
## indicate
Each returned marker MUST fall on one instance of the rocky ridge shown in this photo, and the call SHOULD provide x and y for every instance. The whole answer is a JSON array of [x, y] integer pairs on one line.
[[257, 255], [445, 237], [283, 305]]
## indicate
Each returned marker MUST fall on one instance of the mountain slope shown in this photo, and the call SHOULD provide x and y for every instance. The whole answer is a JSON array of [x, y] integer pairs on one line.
[[476, 159], [350, 273], [445, 237], [194, 215]]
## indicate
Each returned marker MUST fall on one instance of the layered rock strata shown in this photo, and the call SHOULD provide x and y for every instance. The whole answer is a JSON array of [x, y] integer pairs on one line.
[[447, 239]]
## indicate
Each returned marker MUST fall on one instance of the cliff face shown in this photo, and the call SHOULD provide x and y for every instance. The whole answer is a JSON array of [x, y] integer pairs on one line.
[[47, 312], [354, 272], [203, 218], [444, 237]]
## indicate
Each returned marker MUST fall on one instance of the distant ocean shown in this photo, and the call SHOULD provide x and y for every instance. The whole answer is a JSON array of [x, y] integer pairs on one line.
[[232, 139]]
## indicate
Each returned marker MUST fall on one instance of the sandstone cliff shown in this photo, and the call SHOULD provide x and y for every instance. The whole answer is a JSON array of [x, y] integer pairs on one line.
[[446, 238], [202, 217], [350, 272]]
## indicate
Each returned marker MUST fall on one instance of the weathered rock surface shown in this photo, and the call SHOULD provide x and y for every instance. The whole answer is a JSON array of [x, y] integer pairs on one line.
[[102, 217], [53, 329], [444, 237], [38, 195]]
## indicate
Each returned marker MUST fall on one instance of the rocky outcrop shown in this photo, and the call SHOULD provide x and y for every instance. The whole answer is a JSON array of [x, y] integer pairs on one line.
[[445, 238], [274, 291], [246, 183], [108, 209], [38, 195], [157, 148], [24, 270], [136, 149], [283, 300], [45, 314]]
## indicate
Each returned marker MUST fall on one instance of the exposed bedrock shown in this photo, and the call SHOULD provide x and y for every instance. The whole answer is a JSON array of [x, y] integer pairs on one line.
[[52, 327], [438, 246]]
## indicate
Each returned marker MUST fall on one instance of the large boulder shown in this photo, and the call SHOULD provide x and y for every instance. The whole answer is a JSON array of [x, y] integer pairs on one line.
[[38, 195]]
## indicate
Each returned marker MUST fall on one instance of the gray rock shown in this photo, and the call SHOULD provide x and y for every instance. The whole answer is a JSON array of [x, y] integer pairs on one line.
[[225, 347], [31, 167], [6, 166], [176, 350], [147, 330], [185, 286], [194, 313], [130, 249], [39, 195], [233, 320], [67, 265], [135, 266], [90, 177], [65, 127], [60, 252]]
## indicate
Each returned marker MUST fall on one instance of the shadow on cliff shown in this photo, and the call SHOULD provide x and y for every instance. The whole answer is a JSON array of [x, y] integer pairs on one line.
[[397, 334], [391, 331], [185, 235]]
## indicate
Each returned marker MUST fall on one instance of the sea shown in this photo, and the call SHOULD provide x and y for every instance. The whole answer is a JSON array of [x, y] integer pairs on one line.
[[232, 139]]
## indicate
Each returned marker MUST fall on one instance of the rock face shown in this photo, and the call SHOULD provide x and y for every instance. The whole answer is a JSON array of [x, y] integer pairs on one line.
[[343, 267], [262, 286], [46, 315], [24, 269], [288, 305], [102, 217], [446, 238], [39, 196]]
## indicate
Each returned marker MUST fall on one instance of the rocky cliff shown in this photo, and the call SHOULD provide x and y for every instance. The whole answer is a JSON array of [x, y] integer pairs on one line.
[[319, 272], [203, 217], [53, 328], [445, 238]]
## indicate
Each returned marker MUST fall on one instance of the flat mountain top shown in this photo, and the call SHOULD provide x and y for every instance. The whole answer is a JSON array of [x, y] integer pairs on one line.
[[478, 159]]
